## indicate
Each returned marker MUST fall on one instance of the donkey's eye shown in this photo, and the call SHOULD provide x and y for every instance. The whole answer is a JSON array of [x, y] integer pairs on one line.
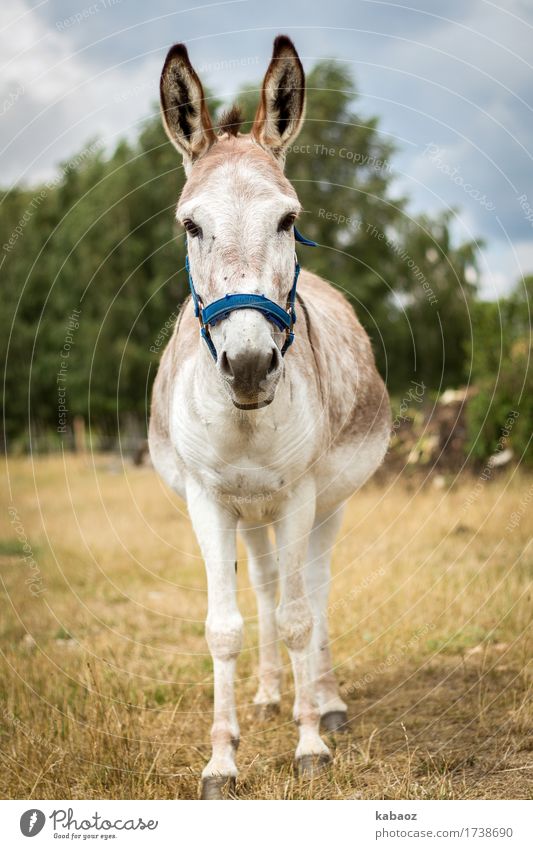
[[192, 228], [286, 222]]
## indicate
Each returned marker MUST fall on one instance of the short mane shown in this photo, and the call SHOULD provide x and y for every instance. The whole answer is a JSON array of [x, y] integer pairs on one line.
[[231, 120]]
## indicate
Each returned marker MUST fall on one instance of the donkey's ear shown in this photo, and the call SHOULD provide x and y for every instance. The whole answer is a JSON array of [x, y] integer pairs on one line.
[[184, 110], [281, 109]]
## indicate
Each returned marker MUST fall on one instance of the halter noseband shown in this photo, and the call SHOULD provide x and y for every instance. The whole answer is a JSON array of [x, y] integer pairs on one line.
[[218, 310]]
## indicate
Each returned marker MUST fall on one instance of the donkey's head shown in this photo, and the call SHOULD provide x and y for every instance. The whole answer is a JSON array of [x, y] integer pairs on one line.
[[238, 209]]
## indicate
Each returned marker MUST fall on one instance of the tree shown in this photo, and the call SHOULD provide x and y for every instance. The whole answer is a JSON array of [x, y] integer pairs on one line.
[[410, 285], [500, 414], [102, 239]]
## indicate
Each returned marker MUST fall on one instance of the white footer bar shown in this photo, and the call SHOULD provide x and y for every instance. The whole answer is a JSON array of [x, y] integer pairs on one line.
[[267, 825]]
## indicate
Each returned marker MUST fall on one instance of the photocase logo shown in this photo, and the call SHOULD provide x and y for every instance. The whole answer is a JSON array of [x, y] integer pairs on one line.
[[32, 822]]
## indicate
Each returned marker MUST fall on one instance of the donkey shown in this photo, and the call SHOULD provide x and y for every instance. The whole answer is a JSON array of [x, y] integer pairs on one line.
[[252, 429]]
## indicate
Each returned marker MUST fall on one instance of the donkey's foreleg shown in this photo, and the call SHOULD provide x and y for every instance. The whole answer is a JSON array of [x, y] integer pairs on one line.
[[317, 580], [263, 572], [295, 622], [215, 529]]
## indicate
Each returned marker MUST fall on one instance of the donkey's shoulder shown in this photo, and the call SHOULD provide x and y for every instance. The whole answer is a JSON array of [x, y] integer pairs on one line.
[[351, 386], [333, 320]]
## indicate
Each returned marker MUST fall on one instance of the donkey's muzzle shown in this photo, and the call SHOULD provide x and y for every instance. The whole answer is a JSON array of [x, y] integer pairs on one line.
[[250, 372]]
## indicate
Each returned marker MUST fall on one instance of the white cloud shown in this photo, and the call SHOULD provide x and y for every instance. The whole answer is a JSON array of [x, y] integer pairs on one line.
[[65, 100]]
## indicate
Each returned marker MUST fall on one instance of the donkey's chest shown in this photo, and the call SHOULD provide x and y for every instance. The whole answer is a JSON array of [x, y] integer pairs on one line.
[[245, 462]]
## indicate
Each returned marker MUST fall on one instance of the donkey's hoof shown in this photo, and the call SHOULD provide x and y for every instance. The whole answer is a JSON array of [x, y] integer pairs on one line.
[[218, 787], [267, 710], [335, 721], [308, 766]]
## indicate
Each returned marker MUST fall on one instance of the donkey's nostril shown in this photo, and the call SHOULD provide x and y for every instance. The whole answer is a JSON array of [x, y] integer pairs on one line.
[[225, 365], [274, 360]]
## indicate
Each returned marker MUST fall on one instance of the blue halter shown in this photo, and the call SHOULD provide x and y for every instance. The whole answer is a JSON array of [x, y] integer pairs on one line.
[[216, 311]]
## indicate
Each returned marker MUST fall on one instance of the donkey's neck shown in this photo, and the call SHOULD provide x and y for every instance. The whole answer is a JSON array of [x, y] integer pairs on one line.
[[238, 454]]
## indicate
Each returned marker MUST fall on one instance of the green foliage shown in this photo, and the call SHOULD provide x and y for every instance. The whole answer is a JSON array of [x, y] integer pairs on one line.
[[101, 242], [101, 239], [387, 262], [501, 413]]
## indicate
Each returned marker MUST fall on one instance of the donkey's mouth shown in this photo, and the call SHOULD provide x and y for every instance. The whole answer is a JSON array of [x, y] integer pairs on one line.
[[256, 405]]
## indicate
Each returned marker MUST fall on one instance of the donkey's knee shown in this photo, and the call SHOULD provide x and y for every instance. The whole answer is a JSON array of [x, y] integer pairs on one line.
[[295, 624], [224, 636]]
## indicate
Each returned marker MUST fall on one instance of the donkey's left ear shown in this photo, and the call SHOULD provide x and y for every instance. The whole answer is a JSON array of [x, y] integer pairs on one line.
[[183, 107], [281, 109]]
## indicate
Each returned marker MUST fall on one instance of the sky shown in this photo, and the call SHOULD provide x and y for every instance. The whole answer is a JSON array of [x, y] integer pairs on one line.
[[451, 83]]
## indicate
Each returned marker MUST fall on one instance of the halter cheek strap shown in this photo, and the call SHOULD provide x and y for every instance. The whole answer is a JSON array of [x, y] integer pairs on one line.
[[218, 310]]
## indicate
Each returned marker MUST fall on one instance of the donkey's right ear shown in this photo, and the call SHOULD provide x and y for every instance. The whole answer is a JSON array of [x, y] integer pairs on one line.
[[183, 107]]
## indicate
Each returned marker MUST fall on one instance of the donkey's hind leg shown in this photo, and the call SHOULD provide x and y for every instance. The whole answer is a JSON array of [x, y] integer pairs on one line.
[[317, 579], [263, 572]]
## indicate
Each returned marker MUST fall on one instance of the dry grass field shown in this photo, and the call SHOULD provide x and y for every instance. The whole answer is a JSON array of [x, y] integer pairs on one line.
[[106, 682]]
